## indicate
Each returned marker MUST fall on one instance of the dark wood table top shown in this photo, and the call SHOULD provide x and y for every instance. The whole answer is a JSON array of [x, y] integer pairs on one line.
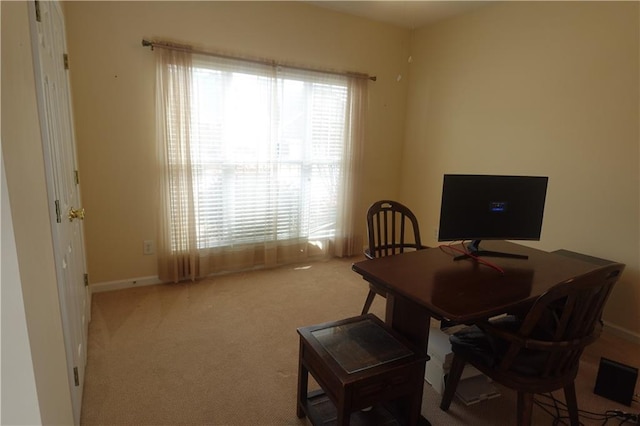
[[466, 290]]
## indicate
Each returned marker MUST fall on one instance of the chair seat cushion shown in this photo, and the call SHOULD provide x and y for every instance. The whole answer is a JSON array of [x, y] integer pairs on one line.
[[478, 347]]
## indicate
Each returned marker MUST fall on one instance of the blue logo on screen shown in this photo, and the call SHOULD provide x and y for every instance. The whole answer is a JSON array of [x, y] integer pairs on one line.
[[498, 206]]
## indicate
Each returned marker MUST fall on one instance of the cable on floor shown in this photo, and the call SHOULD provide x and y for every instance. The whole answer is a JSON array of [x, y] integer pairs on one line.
[[560, 407]]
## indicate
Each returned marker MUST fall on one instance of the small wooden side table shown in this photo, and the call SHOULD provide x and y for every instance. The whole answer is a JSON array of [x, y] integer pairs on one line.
[[359, 362]]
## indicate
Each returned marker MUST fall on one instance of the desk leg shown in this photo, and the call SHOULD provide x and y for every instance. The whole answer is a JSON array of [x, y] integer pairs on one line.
[[413, 322], [409, 319]]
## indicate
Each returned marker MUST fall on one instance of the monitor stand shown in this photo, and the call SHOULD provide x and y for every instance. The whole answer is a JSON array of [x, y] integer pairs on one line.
[[474, 251]]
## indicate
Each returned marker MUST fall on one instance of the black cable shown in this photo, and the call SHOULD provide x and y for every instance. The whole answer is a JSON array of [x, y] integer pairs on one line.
[[559, 417], [583, 412]]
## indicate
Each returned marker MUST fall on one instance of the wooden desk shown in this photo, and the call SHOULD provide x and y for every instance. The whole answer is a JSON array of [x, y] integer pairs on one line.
[[429, 284]]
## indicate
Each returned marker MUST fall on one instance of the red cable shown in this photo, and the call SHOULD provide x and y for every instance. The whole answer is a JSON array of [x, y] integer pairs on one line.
[[468, 253]]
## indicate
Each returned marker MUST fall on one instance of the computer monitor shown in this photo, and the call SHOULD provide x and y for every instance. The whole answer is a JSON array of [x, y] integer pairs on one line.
[[491, 207]]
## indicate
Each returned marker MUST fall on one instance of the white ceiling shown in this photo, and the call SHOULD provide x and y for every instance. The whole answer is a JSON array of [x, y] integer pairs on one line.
[[407, 14]]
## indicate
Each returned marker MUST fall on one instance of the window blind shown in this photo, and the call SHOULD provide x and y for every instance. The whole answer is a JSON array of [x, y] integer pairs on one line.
[[265, 155]]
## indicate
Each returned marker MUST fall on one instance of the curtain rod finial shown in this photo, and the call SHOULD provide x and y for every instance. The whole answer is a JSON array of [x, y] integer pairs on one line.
[[148, 43]]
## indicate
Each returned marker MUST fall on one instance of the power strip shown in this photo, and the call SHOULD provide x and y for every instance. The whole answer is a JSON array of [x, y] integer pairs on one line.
[[632, 418]]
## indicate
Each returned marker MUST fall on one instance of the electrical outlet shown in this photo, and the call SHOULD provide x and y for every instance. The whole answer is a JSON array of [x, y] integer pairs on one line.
[[148, 247]]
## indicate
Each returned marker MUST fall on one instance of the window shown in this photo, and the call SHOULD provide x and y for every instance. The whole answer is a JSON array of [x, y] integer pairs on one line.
[[267, 149], [254, 154]]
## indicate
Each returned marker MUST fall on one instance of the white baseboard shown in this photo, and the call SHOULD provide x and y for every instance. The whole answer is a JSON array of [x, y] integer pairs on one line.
[[622, 332], [122, 284]]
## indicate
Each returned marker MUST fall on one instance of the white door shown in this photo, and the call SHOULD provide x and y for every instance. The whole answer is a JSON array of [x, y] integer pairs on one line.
[[56, 121]]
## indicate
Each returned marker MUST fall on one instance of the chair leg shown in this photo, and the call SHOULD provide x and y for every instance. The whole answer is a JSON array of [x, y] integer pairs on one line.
[[457, 366], [572, 403], [525, 408], [368, 302]]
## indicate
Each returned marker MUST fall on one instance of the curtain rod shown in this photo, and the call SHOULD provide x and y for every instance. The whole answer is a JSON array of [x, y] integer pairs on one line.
[[167, 45]]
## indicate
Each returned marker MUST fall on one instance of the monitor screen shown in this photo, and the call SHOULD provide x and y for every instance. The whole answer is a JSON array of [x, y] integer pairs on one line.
[[490, 207]]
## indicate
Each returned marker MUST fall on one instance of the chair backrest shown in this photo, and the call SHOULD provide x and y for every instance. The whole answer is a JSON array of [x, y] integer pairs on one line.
[[561, 323], [392, 229]]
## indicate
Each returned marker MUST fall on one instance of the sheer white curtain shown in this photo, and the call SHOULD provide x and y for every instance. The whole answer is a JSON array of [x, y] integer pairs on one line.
[[177, 249], [349, 239], [259, 164]]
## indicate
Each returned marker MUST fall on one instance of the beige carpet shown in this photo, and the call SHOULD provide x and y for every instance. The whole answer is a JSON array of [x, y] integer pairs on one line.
[[223, 351]]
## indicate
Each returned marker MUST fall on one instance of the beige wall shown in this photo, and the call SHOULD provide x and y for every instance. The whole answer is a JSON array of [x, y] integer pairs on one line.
[[540, 88], [544, 88], [24, 167], [112, 80]]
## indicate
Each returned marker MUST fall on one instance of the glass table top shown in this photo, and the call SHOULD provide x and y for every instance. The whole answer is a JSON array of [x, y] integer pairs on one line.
[[360, 345]]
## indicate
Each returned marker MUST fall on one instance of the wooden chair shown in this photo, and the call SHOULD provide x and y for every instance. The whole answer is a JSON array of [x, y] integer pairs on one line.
[[539, 352], [392, 229]]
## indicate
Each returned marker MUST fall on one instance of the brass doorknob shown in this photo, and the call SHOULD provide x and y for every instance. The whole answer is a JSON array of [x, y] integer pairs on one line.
[[76, 214]]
